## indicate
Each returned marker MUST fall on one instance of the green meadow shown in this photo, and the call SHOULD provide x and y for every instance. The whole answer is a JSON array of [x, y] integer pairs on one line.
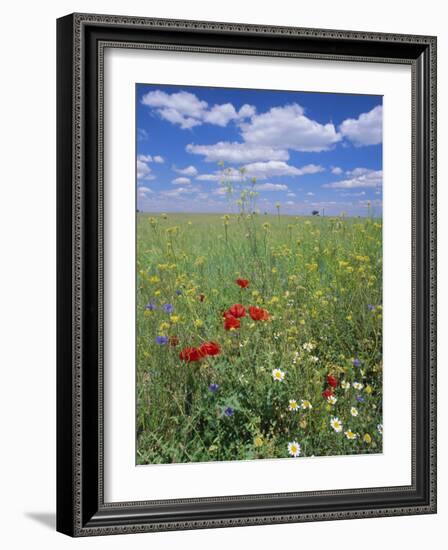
[[296, 371]]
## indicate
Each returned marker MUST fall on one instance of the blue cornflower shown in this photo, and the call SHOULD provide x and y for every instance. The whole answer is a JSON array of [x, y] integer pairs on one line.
[[178, 292], [162, 340], [213, 388], [371, 307], [356, 362], [168, 308], [150, 306], [228, 411], [360, 399]]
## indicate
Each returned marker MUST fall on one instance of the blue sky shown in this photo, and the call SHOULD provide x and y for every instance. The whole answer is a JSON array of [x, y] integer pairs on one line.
[[308, 151]]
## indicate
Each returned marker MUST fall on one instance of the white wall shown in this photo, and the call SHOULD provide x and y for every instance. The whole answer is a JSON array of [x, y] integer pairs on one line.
[[27, 252]]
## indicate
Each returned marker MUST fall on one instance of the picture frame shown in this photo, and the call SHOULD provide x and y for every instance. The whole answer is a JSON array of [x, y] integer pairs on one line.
[[81, 506]]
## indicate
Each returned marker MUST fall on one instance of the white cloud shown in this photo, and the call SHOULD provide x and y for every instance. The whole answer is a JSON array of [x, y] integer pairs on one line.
[[142, 134], [187, 110], [291, 194], [366, 129], [290, 203], [221, 115], [236, 152], [181, 108], [143, 171], [288, 128], [158, 159], [310, 194], [263, 170], [360, 194], [144, 191], [231, 174], [145, 158], [246, 111], [187, 171], [181, 181], [179, 191], [360, 177], [271, 187], [336, 170]]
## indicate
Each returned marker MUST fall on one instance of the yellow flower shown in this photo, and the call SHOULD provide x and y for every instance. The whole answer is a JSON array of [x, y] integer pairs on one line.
[[175, 319], [199, 323], [367, 439], [368, 389], [258, 441], [164, 326], [154, 280]]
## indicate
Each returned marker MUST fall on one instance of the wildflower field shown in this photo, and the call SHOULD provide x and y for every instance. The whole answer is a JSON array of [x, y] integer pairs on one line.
[[258, 336]]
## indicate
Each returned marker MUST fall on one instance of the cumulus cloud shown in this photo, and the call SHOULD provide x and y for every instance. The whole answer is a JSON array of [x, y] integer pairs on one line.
[[358, 194], [237, 152], [289, 128], [188, 111], [367, 129], [143, 170], [310, 194], [143, 191], [187, 171], [263, 170], [359, 177], [230, 175], [271, 187], [181, 181], [336, 170], [179, 191]]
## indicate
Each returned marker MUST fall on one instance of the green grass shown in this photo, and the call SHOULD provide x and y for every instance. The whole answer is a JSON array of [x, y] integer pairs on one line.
[[316, 277]]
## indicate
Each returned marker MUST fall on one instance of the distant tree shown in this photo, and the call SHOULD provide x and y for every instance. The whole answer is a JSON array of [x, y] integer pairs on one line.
[[315, 212]]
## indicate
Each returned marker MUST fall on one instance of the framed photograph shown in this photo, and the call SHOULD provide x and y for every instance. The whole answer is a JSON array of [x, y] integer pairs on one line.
[[246, 274]]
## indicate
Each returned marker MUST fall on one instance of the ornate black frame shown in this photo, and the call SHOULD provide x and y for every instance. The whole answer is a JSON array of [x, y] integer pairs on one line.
[[81, 39]]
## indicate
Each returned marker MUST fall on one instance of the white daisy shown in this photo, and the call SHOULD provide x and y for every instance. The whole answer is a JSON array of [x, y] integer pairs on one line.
[[336, 424], [380, 429], [350, 435], [278, 375], [354, 411], [358, 385], [314, 359], [294, 448], [345, 385], [293, 405], [305, 404], [332, 400]]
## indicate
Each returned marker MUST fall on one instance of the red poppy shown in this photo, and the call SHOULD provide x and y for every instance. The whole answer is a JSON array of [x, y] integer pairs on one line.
[[237, 310], [210, 348], [191, 354], [332, 381], [174, 340], [327, 393], [258, 313], [243, 283], [231, 323]]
